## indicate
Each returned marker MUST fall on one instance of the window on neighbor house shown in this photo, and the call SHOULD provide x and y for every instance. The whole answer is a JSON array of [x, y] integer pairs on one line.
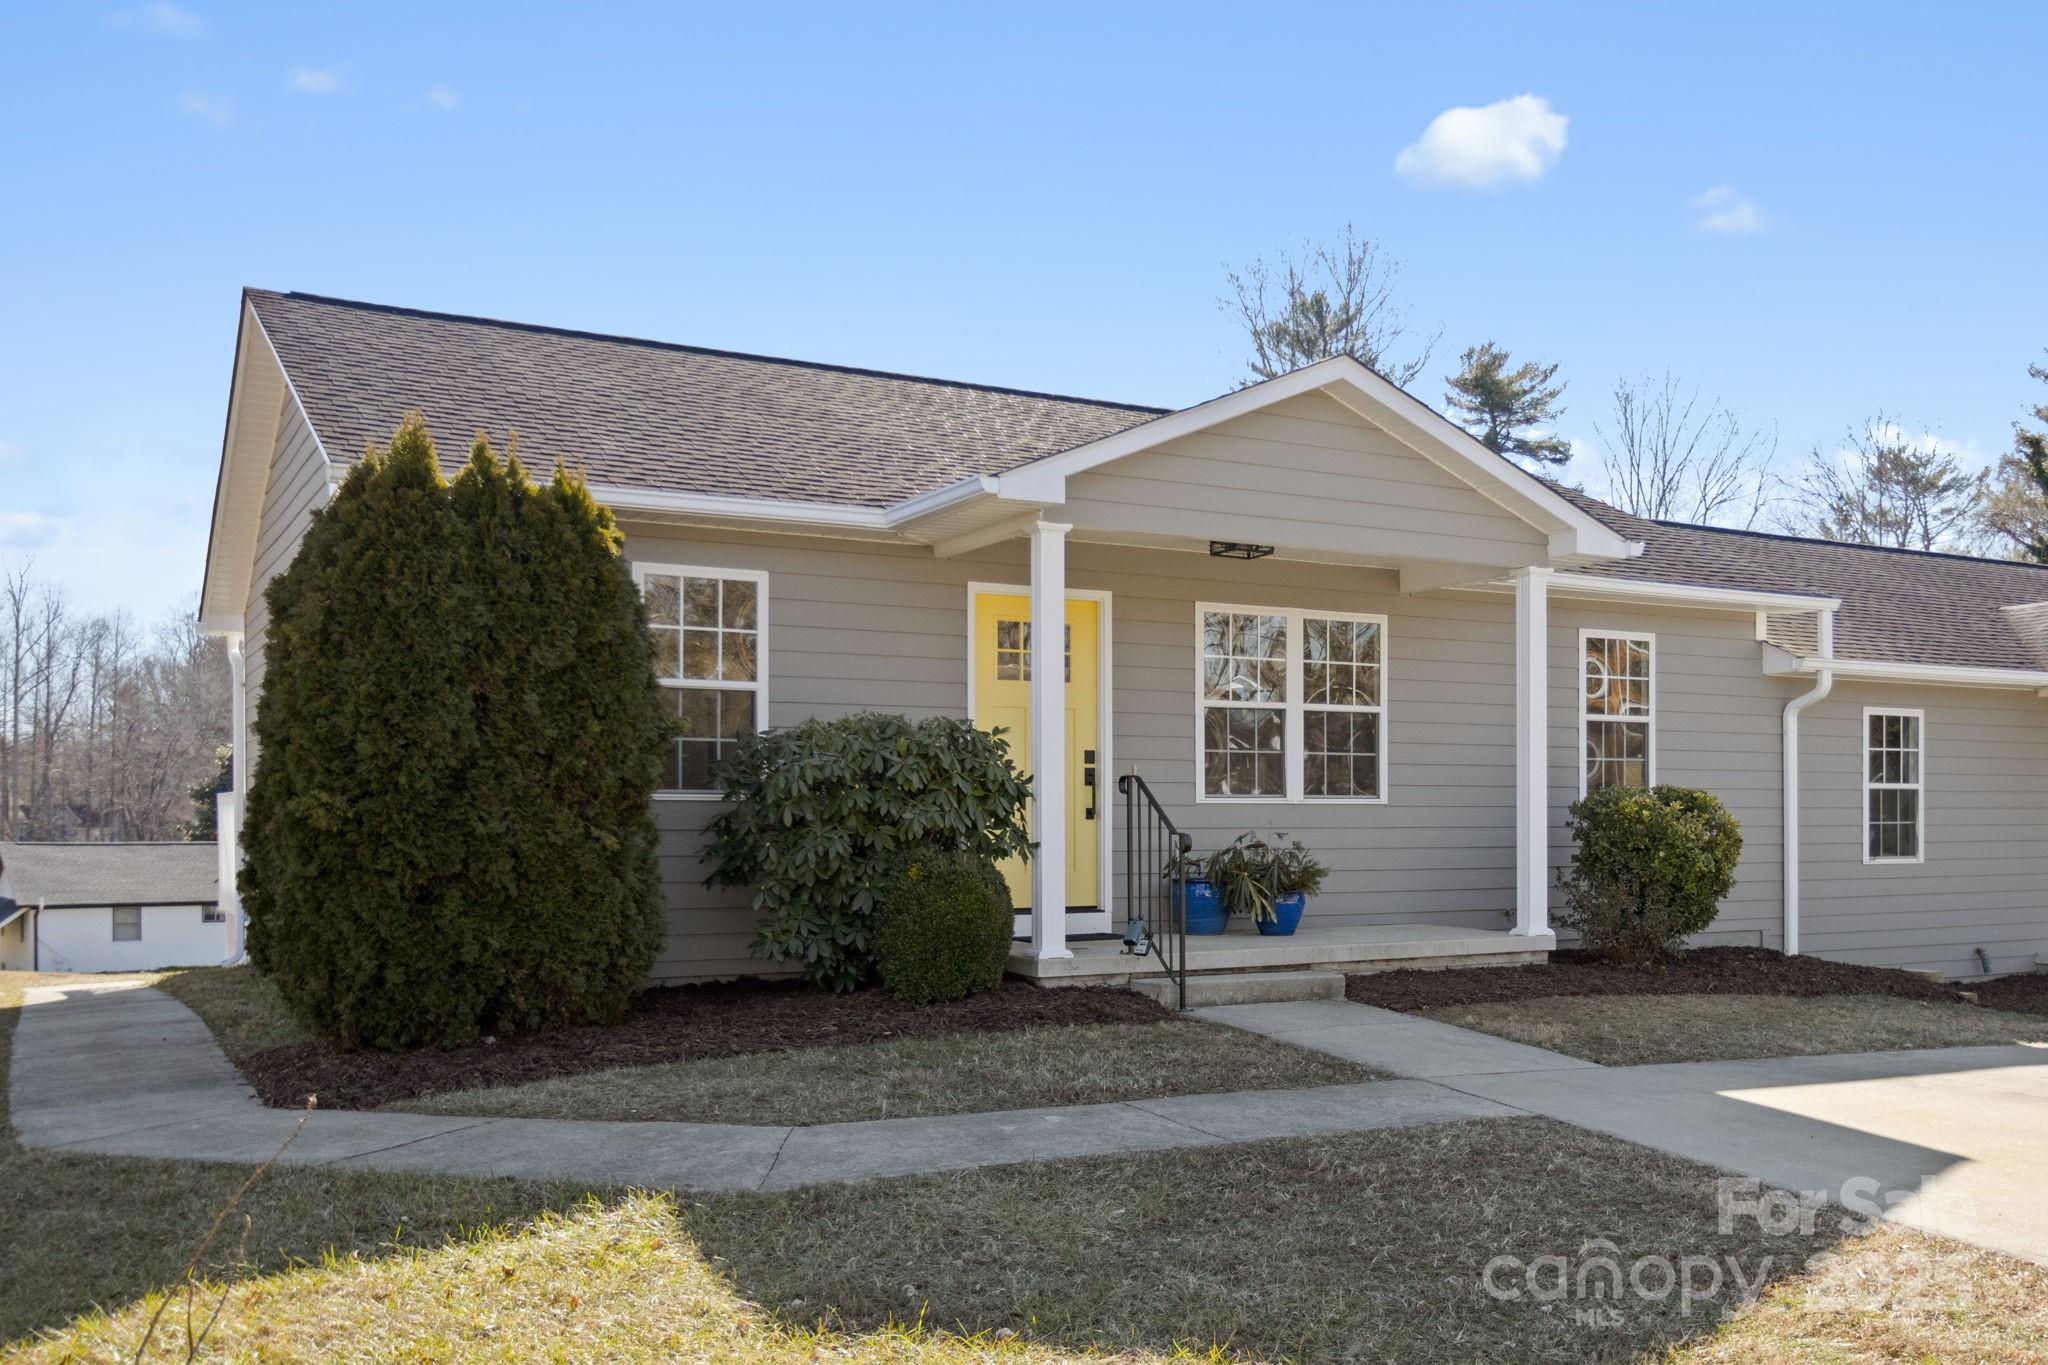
[[212, 914], [127, 924], [1618, 712], [1892, 810], [710, 628], [1292, 704]]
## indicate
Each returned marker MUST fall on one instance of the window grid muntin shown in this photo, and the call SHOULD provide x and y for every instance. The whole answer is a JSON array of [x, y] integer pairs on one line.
[[1013, 650], [1235, 671], [1617, 709], [731, 701], [1894, 785], [127, 923]]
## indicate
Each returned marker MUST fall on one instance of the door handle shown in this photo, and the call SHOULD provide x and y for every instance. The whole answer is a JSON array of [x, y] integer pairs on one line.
[[1088, 781]]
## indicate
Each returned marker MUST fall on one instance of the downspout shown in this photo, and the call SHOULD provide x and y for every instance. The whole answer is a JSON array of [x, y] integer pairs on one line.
[[1822, 685], [35, 936]]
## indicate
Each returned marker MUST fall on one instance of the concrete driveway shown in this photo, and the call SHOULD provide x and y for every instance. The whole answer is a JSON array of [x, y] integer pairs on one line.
[[1953, 1141]]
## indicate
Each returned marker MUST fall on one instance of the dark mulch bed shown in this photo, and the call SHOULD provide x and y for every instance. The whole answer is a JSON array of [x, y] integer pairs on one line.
[[674, 1024], [1701, 971], [2024, 994]]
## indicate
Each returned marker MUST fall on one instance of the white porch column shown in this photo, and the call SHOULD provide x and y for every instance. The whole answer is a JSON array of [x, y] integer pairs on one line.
[[1049, 738], [1532, 756]]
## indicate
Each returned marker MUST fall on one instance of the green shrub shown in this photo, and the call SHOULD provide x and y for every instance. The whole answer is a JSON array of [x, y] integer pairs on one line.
[[812, 809], [449, 829], [942, 924], [1651, 868]]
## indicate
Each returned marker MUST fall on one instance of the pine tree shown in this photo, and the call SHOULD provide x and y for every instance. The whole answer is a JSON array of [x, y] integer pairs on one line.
[[203, 827], [2030, 451], [1886, 488], [450, 830], [1505, 408]]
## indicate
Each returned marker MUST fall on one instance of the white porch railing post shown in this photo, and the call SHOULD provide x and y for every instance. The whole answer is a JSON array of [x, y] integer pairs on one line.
[[1532, 751], [1049, 738]]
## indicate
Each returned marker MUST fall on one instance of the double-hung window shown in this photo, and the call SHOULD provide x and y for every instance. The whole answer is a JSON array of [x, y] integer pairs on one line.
[[710, 629], [1893, 814], [127, 924], [1617, 713], [1292, 705]]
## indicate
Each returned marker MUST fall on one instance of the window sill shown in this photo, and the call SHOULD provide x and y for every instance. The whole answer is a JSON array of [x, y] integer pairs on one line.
[[689, 796]]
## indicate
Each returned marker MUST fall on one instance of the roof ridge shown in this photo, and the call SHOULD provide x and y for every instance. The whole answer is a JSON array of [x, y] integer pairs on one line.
[[1788, 538], [648, 342]]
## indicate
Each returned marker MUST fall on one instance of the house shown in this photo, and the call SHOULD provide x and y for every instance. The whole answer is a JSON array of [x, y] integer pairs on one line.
[[107, 907], [1313, 605]]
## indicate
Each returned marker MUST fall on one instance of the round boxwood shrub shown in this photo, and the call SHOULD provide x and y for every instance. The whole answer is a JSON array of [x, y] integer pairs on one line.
[[1651, 868], [449, 830], [812, 810], [942, 924]]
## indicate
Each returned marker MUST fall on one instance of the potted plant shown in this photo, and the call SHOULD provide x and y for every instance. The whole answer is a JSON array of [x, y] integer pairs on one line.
[[1296, 876], [1271, 882], [1201, 904]]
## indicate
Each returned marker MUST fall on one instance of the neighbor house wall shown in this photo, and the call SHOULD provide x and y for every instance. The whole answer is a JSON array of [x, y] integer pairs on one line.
[[14, 953], [1984, 878], [297, 486], [82, 940]]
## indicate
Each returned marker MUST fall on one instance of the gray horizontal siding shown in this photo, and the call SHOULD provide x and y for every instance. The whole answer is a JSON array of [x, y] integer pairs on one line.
[[1984, 882], [297, 485]]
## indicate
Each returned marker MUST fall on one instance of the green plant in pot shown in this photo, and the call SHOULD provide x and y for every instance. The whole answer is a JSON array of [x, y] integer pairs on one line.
[[1271, 882]]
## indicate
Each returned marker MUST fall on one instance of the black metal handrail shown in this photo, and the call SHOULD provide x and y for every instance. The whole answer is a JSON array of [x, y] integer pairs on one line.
[[1155, 884]]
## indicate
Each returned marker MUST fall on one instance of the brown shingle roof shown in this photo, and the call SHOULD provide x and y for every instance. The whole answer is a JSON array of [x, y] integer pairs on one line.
[[1898, 606], [112, 874], [645, 414]]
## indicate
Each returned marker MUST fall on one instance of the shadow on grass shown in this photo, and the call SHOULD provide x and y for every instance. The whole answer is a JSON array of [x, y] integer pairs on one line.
[[1373, 1246]]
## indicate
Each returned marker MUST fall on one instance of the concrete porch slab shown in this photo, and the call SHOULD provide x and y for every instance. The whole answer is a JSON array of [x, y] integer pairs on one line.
[[1349, 949]]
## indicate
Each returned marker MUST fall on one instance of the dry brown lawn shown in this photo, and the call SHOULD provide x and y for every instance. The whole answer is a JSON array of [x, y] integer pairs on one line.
[[1638, 1030], [956, 1074]]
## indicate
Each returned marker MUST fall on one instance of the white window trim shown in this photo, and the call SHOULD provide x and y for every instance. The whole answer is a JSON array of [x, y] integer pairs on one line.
[[1579, 698], [759, 686], [1293, 725], [1919, 807], [114, 923]]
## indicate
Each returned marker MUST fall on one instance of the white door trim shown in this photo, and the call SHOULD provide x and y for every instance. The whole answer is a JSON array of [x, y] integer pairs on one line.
[[1098, 920]]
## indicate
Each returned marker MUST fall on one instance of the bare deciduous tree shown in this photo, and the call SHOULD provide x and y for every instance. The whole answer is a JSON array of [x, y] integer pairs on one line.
[[1334, 298], [1884, 487], [1665, 456], [103, 735]]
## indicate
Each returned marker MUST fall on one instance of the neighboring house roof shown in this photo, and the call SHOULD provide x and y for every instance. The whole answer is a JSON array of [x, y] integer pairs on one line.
[[651, 415], [111, 874], [646, 414]]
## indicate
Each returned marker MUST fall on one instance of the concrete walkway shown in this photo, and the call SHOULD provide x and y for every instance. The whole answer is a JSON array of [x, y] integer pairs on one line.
[[116, 1068], [1386, 1041]]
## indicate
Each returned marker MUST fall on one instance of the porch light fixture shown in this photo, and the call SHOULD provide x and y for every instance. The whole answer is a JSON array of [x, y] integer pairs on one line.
[[1237, 549]]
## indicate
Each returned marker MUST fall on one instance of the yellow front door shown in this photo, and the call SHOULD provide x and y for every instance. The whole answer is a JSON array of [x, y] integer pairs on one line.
[[1002, 698]]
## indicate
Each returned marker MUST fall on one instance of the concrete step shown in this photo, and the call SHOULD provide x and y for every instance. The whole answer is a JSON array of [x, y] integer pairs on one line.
[[1245, 988]]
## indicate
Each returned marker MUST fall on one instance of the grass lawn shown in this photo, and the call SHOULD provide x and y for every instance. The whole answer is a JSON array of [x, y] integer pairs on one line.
[[1372, 1246], [1621, 1030], [956, 1074]]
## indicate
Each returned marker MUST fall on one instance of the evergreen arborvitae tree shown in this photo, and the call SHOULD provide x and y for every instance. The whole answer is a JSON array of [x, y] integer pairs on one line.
[[449, 831], [1504, 407]]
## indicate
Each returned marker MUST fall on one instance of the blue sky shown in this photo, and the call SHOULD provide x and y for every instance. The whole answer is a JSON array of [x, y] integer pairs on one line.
[[1038, 196]]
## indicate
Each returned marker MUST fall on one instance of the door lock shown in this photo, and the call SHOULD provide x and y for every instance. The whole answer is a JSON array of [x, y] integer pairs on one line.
[[1088, 781]]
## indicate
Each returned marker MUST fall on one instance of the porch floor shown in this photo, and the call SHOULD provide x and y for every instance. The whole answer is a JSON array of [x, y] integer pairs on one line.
[[1356, 948]]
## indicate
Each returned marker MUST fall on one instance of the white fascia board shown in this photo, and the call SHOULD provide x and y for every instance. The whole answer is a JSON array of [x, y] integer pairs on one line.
[[1780, 661], [621, 499], [1686, 594]]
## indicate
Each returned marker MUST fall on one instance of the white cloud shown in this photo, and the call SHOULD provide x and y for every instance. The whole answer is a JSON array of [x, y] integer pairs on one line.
[[1726, 209], [443, 97], [25, 528], [160, 17], [1511, 139], [311, 81], [215, 109]]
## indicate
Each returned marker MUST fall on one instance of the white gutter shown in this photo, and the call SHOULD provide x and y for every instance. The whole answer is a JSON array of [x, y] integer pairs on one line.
[[1823, 683], [1780, 661], [1687, 595]]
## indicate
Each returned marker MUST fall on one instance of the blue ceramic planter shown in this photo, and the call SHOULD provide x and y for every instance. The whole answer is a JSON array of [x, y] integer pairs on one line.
[[1204, 907], [1286, 915]]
